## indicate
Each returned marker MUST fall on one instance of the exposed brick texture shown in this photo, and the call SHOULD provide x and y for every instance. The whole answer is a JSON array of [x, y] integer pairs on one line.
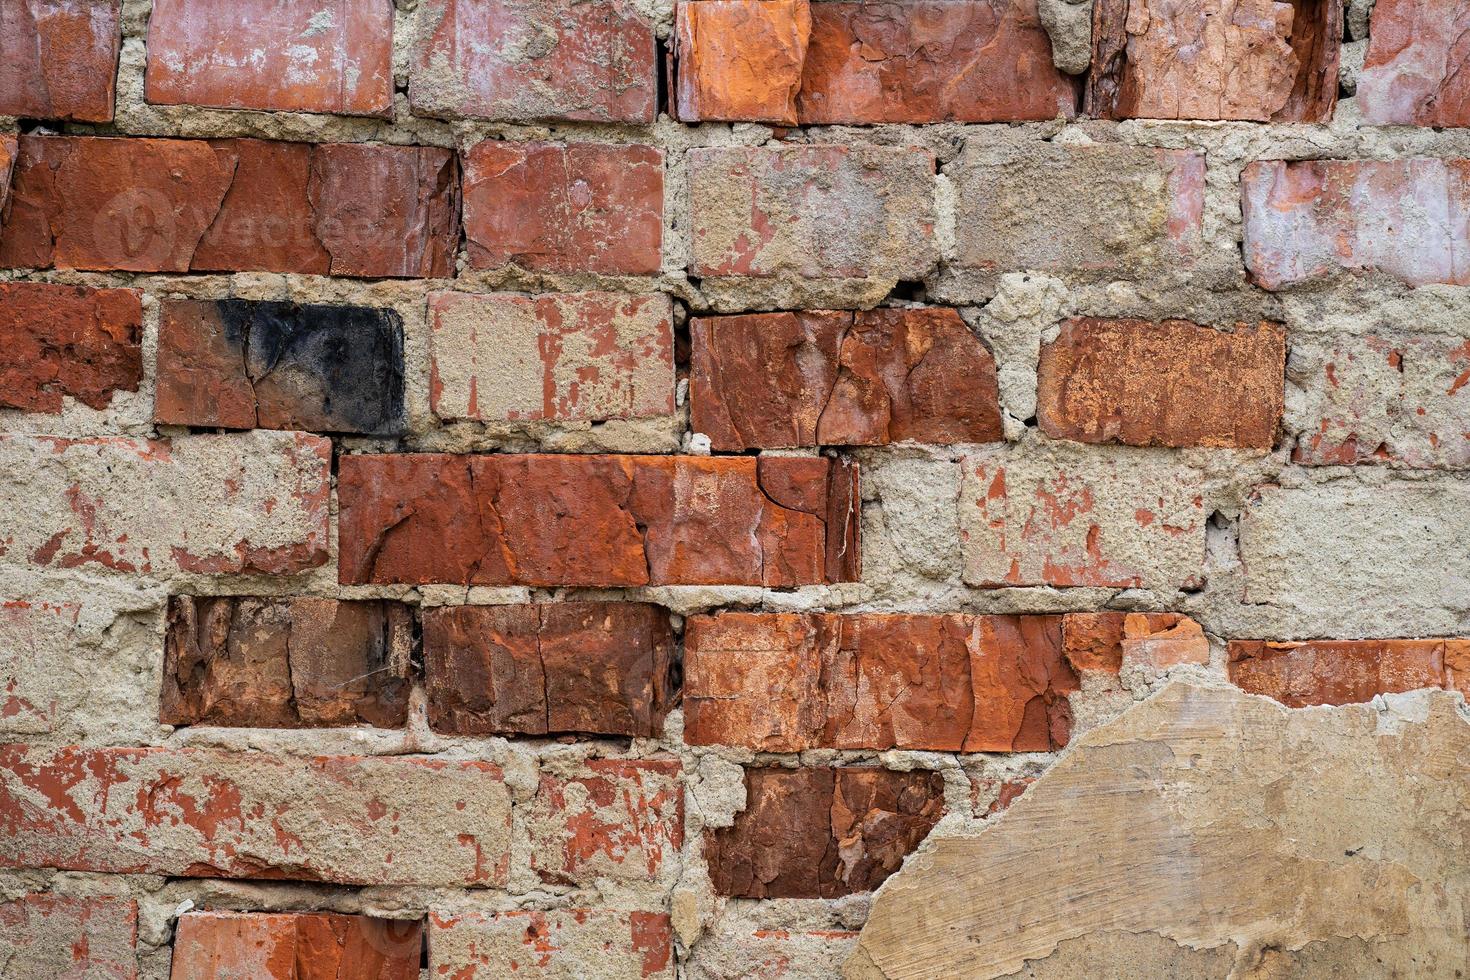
[[1162, 384], [822, 833], [782, 380], [309, 57], [599, 667], [607, 943], [1414, 74], [48, 935], [294, 946], [1105, 641], [68, 342], [29, 632], [1347, 671], [559, 357], [58, 58], [740, 60], [9, 150], [286, 663], [619, 520]]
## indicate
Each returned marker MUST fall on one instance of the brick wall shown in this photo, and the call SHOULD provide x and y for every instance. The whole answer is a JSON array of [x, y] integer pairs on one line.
[[548, 488]]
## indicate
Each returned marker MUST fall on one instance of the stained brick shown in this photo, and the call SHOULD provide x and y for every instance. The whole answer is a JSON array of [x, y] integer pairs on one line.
[[557, 357], [205, 813], [294, 946], [789, 682], [1260, 60], [1376, 398], [822, 833], [29, 634], [9, 150], [779, 380], [740, 60], [1338, 671], [731, 949], [614, 820], [596, 520], [242, 364], [308, 57], [1162, 384], [534, 59], [1101, 642], [164, 205], [1310, 219], [58, 58], [68, 341], [593, 667], [250, 503], [813, 211], [286, 663], [45, 935], [552, 207], [604, 943], [1414, 74]]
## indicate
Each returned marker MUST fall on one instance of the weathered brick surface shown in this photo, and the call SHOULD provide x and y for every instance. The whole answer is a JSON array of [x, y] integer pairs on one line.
[[618, 520], [1162, 384], [596, 667], [205, 813], [557, 357], [1414, 74], [780, 380], [734, 949], [553, 207], [1367, 399], [789, 682], [613, 820], [534, 59], [240, 364], [1103, 642], [286, 663], [68, 342], [44, 935], [596, 942], [1343, 671], [740, 60], [307, 57], [1307, 220], [251, 503], [9, 150], [1260, 60], [294, 946], [29, 633], [166, 205], [58, 58], [822, 833], [812, 211], [1064, 208], [1088, 517]]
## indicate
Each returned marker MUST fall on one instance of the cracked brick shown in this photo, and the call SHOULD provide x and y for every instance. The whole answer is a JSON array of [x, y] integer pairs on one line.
[[1415, 70], [1312, 672], [68, 342], [58, 59]]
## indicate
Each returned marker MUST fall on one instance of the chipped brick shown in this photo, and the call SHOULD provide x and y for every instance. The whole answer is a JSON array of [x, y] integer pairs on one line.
[[1338, 671], [9, 150], [240, 364], [68, 341], [1183, 642], [740, 60], [1414, 73], [604, 943], [782, 380], [57, 936], [58, 59], [1094, 642], [557, 357], [295, 946]]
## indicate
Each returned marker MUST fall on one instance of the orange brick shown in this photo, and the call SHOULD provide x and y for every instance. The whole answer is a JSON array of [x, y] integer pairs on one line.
[[306, 946]]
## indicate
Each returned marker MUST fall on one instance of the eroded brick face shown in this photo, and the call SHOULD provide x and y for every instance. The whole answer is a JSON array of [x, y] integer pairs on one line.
[[594, 667], [29, 632], [1103, 642], [58, 59], [299, 946], [740, 60], [781, 380], [607, 943], [1414, 74], [822, 833], [68, 342], [48, 935], [619, 520], [305, 57], [1345, 671]]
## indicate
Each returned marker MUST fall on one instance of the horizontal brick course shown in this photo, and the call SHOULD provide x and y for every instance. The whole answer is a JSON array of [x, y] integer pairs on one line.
[[58, 59], [68, 342], [1414, 71], [49, 935], [605, 943], [1348, 671], [294, 946]]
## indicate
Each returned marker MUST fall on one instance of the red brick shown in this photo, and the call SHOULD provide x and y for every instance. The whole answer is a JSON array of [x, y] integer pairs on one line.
[[286, 663], [1457, 666], [792, 682], [780, 380], [813, 211], [822, 833], [1095, 642], [204, 813], [1414, 74], [306, 57], [56, 936], [534, 59], [600, 668], [740, 60], [58, 58], [1260, 60], [161, 205], [598, 942], [1340, 671], [558, 357], [1310, 219], [596, 520], [615, 820], [1163, 384], [9, 150], [250, 503], [68, 341], [294, 946], [997, 794], [552, 207]]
